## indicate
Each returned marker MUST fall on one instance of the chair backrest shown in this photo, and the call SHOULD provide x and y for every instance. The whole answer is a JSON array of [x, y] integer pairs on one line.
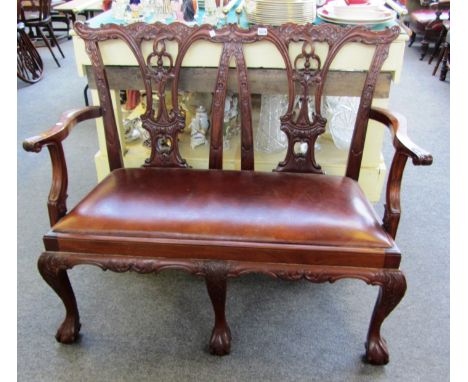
[[43, 7], [306, 73]]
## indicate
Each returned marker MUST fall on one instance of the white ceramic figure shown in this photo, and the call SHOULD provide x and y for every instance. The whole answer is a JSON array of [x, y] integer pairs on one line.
[[227, 107], [118, 9], [230, 108], [234, 111], [132, 129], [230, 122], [211, 13], [199, 127], [203, 118]]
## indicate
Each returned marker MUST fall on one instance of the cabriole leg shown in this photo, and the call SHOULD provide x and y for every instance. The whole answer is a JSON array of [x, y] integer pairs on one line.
[[391, 292], [56, 276], [216, 283]]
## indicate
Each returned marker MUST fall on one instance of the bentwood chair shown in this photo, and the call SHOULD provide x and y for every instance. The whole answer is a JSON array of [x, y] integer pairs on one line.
[[29, 66]]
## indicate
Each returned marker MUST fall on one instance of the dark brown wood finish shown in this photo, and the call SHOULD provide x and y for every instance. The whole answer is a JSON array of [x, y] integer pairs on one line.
[[291, 224], [298, 129], [114, 152], [53, 138], [29, 66], [433, 28], [217, 114], [392, 284], [55, 274], [444, 53], [360, 128], [245, 103], [216, 283], [404, 149], [426, 20], [41, 18]]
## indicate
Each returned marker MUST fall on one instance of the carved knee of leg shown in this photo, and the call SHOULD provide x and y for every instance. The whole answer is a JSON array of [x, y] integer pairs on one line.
[[55, 274], [392, 289]]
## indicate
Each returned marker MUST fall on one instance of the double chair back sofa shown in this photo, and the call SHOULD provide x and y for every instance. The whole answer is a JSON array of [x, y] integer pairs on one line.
[[292, 223]]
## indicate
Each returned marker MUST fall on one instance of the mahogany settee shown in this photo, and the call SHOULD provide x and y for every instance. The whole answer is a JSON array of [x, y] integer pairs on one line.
[[292, 223]]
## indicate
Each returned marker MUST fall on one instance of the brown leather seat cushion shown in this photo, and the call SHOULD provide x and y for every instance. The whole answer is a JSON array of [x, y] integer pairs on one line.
[[228, 205]]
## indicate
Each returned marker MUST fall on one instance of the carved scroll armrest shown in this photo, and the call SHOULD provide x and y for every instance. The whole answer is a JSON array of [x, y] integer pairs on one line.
[[53, 138], [404, 149], [62, 128]]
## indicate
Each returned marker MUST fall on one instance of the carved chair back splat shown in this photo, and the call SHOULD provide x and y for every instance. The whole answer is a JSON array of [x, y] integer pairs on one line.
[[312, 227], [160, 67]]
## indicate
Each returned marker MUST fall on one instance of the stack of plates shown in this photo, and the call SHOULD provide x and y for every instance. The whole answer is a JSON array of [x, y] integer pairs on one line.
[[367, 14], [277, 12]]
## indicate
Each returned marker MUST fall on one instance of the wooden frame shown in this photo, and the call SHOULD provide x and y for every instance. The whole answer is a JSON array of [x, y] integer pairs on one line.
[[218, 260], [29, 65]]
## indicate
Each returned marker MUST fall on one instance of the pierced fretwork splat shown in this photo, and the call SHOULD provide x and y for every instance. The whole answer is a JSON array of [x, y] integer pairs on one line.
[[308, 70], [165, 126], [302, 133], [160, 76]]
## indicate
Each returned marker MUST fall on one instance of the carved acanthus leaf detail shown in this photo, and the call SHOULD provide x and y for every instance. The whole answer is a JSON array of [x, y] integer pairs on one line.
[[390, 278]]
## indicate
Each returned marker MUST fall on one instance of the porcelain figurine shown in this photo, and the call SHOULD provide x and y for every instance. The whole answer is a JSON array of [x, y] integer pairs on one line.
[[132, 129], [230, 108], [230, 122], [199, 127]]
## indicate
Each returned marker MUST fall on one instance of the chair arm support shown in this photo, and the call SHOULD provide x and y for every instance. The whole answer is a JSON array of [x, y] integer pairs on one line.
[[62, 128], [404, 149], [53, 138]]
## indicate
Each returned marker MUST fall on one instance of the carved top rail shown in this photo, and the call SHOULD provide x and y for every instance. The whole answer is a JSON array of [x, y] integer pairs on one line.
[[160, 71]]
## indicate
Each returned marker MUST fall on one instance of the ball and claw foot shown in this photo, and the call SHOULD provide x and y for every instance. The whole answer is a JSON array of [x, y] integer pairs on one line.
[[55, 274], [377, 352], [216, 283], [392, 289], [68, 332], [220, 342]]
